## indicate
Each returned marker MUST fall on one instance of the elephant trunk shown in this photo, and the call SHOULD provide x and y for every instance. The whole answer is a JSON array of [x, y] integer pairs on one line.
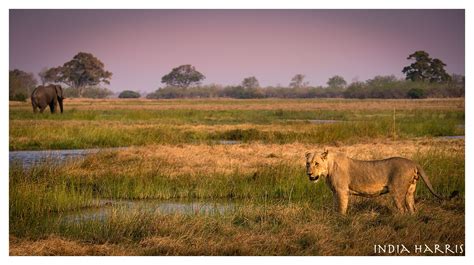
[[60, 101]]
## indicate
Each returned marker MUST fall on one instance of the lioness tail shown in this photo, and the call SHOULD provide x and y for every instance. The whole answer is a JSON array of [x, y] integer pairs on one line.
[[425, 178]]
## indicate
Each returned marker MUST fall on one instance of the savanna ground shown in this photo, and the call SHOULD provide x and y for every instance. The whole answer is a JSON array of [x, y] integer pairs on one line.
[[175, 151]]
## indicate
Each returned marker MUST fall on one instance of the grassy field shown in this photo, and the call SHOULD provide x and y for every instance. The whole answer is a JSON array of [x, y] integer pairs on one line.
[[174, 153], [110, 123]]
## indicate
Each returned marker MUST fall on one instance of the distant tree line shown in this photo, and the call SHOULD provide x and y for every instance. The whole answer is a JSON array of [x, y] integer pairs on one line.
[[88, 92], [384, 87], [21, 84], [425, 77]]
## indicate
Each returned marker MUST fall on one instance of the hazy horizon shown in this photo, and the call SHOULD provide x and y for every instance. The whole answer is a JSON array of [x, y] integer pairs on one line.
[[140, 46]]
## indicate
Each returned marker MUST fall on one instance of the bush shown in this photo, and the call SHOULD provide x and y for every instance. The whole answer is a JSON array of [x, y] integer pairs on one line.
[[167, 92], [88, 92], [242, 92], [209, 91], [129, 94], [70, 92], [356, 90], [416, 93], [18, 97], [21, 84], [97, 92]]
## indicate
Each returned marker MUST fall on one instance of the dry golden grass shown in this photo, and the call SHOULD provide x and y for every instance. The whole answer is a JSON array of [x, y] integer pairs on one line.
[[113, 123], [296, 228], [258, 104], [276, 230], [208, 159], [120, 125], [55, 246]]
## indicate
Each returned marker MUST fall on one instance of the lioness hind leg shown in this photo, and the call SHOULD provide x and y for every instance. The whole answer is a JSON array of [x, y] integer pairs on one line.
[[399, 201], [410, 197]]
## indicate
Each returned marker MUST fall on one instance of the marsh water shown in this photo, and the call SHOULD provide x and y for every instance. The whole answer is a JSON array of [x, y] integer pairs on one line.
[[323, 121], [452, 137], [30, 158], [108, 208]]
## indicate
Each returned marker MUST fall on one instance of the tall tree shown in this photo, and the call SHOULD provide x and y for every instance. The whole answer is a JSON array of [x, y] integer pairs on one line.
[[183, 76], [336, 82], [42, 74], [52, 75], [250, 83], [83, 70], [437, 72], [21, 84], [298, 81], [424, 68]]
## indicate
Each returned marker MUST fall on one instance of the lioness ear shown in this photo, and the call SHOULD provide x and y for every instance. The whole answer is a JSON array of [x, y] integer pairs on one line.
[[307, 155], [324, 155]]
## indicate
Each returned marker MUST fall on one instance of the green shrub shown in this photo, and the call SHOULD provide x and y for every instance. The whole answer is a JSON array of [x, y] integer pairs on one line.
[[129, 94], [416, 93], [19, 97]]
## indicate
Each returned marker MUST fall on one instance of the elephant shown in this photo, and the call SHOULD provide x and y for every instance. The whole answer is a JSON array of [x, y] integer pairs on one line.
[[49, 95]]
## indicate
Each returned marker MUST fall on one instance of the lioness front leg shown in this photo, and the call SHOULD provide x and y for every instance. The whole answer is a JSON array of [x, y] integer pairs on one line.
[[341, 199]]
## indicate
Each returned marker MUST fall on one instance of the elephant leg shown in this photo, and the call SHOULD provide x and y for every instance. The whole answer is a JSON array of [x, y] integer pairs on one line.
[[52, 107]]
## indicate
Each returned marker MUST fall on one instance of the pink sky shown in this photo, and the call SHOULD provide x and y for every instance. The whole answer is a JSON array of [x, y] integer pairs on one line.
[[140, 46]]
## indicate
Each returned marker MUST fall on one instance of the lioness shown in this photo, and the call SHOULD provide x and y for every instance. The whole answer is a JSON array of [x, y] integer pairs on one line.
[[346, 176]]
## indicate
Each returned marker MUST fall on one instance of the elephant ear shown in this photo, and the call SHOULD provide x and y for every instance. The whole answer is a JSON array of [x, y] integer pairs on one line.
[[59, 91]]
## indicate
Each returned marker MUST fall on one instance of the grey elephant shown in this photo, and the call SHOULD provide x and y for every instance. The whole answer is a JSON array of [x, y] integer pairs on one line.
[[49, 95]]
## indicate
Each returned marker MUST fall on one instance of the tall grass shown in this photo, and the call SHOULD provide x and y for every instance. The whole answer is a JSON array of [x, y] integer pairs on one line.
[[282, 213], [176, 127], [183, 116], [39, 193], [445, 171], [295, 229], [51, 189]]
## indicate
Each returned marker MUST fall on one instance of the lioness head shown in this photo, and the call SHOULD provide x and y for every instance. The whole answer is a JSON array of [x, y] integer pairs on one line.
[[316, 165]]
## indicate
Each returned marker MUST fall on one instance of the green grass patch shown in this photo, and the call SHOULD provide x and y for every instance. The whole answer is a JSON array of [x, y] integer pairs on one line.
[[142, 127], [47, 189]]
